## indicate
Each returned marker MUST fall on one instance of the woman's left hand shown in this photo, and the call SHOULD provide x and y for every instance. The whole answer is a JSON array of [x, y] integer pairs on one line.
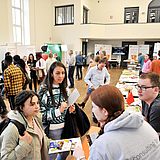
[[71, 108]]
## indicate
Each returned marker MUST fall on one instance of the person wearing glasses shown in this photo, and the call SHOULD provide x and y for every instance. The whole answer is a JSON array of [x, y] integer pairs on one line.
[[148, 91]]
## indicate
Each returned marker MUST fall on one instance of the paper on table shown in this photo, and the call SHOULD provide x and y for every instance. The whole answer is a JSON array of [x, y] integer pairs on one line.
[[73, 97]]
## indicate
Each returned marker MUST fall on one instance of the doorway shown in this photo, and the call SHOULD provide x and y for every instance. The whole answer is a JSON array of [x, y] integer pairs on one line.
[[84, 52], [125, 56]]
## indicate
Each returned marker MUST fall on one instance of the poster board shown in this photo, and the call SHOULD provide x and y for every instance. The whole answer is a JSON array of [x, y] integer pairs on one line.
[[135, 49], [133, 52], [144, 49], [156, 49], [103, 47]]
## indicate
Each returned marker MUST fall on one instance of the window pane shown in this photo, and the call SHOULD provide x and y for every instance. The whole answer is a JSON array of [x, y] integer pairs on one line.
[[64, 15], [131, 15], [69, 15], [13, 16], [17, 17], [18, 34], [16, 3]]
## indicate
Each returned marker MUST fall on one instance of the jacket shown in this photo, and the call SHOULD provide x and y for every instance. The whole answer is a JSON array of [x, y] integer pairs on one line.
[[12, 148], [128, 137]]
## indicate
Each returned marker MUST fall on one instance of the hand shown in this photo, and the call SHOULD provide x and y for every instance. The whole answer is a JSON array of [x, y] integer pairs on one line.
[[79, 153], [63, 107], [27, 137], [71, 108], [92, 88]]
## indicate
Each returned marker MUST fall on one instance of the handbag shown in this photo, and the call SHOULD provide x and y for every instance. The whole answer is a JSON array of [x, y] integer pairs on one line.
[[76, 124]]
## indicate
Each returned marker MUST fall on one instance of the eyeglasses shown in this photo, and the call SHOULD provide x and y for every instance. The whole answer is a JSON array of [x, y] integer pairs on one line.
[[143, 88]]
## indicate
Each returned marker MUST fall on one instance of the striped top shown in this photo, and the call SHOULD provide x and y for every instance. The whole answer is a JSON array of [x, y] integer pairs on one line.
[[48, 110]]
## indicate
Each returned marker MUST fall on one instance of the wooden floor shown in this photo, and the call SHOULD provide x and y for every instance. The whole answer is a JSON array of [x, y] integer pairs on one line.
[[82, 88]]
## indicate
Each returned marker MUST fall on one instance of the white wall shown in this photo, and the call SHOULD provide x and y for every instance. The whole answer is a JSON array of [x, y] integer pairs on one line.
[[4, 22], [41, 22], [68, 34], [112, 11]]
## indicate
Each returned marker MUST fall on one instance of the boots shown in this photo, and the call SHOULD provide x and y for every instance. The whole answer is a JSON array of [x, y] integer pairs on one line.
[[81, 104]]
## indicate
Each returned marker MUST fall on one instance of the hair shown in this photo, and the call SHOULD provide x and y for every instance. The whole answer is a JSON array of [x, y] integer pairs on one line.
[[102, 60], [38, 55], [16, 59], [71, 51], [110, 98], [97, 58], [159, 53], [31, 54], [3, 108], [8, 60], [50, 55], [154, 78], [22, 97], [7, 54], [48, 80]]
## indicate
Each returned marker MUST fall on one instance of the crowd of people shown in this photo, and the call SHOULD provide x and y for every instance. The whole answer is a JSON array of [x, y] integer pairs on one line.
[[123, 135]]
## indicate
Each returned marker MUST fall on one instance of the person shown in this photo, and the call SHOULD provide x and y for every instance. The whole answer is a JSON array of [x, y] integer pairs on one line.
[[4, 66], [140, 61], [14, 81], [21, 64], [147, 64], [123, 135], [95, 77], [155, 66], [148, 91], [40, 67], [71, 67], [57, 57], [53, 99], [93, 62], [3, 110], [32, 65], [33, 144], [49, 61], [79, 64]]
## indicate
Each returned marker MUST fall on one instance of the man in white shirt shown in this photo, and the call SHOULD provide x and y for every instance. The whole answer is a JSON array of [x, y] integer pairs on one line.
[[40, 67], [49, 61], [96, 77]]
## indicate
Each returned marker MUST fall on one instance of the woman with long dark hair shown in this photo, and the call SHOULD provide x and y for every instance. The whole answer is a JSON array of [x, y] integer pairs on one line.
[[53, 99], [32, 65]]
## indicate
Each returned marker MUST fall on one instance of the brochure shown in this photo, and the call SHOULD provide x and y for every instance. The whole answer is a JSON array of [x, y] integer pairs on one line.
[[57, 146], [73, 97]]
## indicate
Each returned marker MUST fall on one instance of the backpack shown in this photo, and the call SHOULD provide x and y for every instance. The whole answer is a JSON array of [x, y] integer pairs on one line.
[[21, 128]]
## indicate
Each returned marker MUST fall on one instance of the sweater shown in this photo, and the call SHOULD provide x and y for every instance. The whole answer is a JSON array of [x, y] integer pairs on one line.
[[128, 137]]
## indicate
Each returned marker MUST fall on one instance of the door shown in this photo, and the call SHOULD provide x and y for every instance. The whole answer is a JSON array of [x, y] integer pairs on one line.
[[124, 57]]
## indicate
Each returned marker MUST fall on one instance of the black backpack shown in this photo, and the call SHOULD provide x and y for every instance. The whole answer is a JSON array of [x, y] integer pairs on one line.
[[21, 128]]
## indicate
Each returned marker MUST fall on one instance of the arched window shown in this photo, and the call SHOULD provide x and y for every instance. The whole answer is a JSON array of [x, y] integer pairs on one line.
[[154, 11]]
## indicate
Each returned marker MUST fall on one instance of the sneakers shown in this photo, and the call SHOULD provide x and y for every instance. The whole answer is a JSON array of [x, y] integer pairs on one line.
[[81, 104]]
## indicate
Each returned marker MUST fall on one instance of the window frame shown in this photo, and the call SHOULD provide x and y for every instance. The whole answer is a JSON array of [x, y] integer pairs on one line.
[[20, 37], [85, 15], [64, 17], [156, 17], [131, 10]]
